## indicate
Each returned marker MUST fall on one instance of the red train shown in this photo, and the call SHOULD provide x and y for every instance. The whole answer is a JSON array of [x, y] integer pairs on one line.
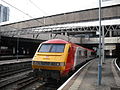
[[57, 58]]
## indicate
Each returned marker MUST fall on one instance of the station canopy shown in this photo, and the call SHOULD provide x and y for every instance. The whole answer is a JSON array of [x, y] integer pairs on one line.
[[71, 28]]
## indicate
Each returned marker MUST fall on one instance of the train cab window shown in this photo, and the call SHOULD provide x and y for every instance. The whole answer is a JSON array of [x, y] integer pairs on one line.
[[44, 48], [52, 48], [57, 48]]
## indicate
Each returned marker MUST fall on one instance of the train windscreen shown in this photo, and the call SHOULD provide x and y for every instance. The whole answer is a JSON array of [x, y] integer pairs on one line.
[[52, 48]]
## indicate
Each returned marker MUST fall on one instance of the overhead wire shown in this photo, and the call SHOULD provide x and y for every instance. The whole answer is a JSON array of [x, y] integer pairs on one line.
[[22, 11], [14, 28], [40, 9], [37, 6], [27, 13]]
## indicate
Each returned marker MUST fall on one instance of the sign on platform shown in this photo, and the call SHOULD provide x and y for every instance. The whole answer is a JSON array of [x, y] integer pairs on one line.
[[110, 47], [106, 0]]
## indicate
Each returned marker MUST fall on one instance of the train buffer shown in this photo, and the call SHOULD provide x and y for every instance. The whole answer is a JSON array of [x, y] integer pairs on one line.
[[87, 77]]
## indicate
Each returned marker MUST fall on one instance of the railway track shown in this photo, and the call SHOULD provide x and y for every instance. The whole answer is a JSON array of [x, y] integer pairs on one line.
[[12, 68], [117, 62], [117, 65], [25, 81], [10, 80], [9, 73]]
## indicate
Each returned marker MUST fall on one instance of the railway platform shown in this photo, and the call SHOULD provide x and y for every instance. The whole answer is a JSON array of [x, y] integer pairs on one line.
[[10, 57], [87, 77], [4, 62]]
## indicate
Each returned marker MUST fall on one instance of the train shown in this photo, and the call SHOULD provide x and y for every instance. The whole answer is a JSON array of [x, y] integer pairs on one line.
[[56, 58]]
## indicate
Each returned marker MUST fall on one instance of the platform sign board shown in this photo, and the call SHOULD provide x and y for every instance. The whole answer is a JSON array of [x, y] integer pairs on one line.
[[106, 0], [110, 47]]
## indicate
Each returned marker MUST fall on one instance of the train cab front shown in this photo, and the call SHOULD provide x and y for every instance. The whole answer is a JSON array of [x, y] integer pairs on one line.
[[50, 60]]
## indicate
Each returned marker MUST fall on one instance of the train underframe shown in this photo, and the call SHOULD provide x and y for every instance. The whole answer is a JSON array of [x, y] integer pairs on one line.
[[47, 74]]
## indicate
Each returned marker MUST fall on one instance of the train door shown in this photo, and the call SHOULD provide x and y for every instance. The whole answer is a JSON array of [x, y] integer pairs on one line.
[[70, 59], [77, 57], [85, 53], [88, 53]]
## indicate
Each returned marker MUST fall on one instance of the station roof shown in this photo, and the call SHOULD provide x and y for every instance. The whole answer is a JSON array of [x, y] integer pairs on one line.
[[83, 16], [71, 28], [88, 24]]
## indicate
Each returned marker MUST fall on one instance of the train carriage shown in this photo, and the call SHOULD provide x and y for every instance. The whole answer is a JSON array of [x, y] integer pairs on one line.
[[56, 58]]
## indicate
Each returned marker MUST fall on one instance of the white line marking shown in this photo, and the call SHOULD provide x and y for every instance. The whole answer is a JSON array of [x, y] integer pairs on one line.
[[116, 77], [117, 65], [61, 87]]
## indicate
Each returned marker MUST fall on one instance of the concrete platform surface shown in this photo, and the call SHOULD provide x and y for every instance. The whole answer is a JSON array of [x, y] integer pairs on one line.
[[87, 79]]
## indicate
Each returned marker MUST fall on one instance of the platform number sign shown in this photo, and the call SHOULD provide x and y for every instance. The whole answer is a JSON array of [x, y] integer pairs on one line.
[[106, 0]]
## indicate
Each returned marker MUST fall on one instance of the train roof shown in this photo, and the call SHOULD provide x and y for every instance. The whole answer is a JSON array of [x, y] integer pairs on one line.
[[88, 49], [60, 41], [56, 41], [82, 47]]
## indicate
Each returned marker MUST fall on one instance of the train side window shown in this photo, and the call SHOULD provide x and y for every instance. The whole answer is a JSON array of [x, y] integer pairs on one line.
[[82, 53], [79, 52], [85, 52]]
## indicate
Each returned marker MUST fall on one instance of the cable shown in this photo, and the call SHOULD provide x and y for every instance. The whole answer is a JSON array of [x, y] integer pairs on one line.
[[11, 26], [40, 9], [37, 7], [22, 11]]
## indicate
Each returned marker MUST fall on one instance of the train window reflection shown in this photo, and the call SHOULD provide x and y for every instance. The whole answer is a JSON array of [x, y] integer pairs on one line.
[[52, 48]]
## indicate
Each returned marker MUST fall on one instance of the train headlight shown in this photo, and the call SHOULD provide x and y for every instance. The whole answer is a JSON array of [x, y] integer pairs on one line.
[[32, 62], [62, 63], [35, 63], [48, 63], [58, 64]]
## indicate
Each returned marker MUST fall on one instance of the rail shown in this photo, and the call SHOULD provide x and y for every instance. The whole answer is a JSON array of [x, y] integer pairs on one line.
[[117, 65]]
